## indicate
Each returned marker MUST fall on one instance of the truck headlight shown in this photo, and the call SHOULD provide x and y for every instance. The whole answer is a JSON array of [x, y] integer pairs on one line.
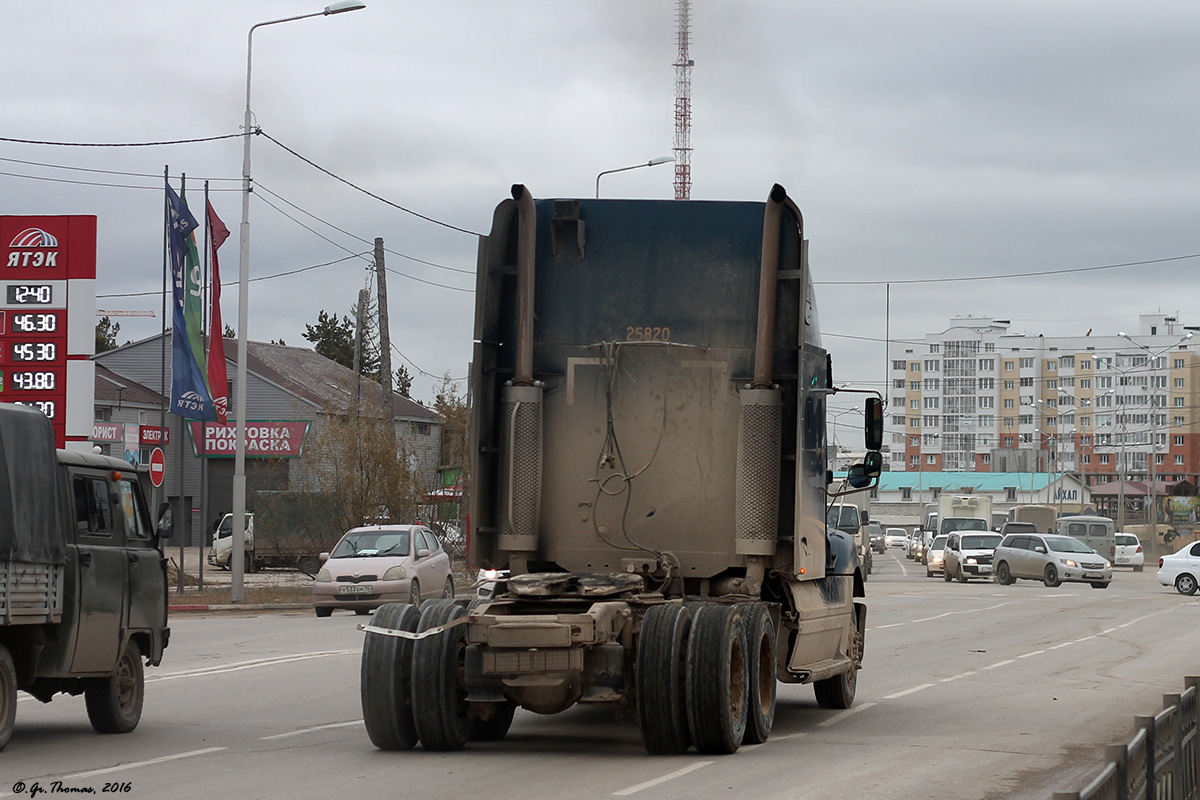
[[323, 576], [395, 574]]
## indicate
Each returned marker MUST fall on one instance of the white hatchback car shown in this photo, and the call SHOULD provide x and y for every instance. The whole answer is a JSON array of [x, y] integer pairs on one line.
[[1181, 569], [381, 564], [895, 537], [1129, 552]]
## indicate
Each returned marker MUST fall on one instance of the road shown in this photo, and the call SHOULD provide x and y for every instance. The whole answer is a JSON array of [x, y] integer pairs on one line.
[[968, 691]]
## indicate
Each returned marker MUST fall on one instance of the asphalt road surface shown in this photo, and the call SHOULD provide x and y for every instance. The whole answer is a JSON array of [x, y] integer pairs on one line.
[[968, 691]]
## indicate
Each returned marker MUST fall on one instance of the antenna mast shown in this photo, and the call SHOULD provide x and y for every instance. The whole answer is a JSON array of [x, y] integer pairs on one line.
[[683, 105]]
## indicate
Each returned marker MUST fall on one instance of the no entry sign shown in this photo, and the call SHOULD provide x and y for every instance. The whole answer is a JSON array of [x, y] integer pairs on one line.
[[158, 466]]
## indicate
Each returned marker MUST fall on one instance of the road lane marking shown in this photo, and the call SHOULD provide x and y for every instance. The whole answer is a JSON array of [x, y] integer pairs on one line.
[[907, 691], [670, 776], [999, 664], [312, 729], [785, 737], [1064, 644], [132, 765], [841, 716], [1084, 639], [1034, 653], [956, 677], [219, 669], [891, 625]]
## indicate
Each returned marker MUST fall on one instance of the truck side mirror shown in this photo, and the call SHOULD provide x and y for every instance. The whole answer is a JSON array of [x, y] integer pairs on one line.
[[860, 476], [166, 525], [873, 422]]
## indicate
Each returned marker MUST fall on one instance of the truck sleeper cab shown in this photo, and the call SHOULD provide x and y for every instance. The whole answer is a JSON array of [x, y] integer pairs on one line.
[[649, 466]]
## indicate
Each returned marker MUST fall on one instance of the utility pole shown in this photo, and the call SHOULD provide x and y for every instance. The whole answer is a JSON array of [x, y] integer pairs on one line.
[[385, 349], [364, 297]]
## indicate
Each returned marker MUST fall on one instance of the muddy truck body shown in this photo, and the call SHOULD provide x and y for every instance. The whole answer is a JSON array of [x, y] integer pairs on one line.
[[83, 581], [649, 478]]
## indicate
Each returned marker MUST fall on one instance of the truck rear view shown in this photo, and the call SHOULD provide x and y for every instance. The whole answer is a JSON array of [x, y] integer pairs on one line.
[[649, 467]]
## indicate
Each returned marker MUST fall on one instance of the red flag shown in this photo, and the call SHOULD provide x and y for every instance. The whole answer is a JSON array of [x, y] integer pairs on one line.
[[217, 377]]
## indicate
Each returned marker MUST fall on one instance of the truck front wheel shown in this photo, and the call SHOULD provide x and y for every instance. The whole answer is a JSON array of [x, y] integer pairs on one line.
[[838, 691], [760, 646], [8, 696], [385, 679], [114, 704]]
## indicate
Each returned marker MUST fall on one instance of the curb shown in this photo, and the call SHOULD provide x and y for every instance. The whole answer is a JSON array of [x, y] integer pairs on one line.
[[241, 607]]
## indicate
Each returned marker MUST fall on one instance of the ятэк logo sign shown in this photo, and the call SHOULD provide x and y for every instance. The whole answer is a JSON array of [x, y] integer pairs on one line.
[[33, 244]]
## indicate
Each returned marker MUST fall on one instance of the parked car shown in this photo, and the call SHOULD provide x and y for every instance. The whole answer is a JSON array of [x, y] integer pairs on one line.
[[877, 543], [1129, 552], [381, 564], [935, 555], [895, 537], [1052, 559], [1181, 569], [968, 554]]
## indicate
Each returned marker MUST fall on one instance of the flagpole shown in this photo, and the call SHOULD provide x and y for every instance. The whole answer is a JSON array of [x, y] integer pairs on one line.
[[182, 432], [204, 425], [161, 490]]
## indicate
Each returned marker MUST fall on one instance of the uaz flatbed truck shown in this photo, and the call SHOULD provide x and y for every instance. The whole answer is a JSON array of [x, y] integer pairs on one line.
[[83, 581], [649, 467]]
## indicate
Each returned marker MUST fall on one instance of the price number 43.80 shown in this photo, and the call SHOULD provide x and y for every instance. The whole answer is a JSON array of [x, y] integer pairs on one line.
[[32, 381]]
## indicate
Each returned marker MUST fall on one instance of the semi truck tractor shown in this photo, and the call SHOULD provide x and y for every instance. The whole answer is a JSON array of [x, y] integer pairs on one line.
[[649, 481]]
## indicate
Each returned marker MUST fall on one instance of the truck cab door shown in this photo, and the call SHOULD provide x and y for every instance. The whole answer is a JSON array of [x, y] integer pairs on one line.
[[101, 567], [147, 569]]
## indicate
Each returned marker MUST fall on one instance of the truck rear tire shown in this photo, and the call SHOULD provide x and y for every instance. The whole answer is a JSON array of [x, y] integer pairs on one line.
[[386, 679], [760, 646], [439, 698], [114, 704], [8, 696], [308, 565], [716, 679], [661, 679], [838, 691]]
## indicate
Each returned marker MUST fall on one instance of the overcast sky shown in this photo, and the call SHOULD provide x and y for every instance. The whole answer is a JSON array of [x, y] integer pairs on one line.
[[922, 140]]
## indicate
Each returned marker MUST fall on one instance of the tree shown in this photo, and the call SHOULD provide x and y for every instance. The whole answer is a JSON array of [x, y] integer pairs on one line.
[[229, 332], [456, 422], [334, 339], [403, 381], [106, 334]]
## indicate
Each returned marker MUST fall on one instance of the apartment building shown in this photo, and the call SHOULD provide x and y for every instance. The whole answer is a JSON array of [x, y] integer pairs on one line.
[[977, 397]]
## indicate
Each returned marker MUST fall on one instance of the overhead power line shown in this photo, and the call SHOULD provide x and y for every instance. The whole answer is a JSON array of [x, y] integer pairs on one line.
[[123, 144], [1039, 274]]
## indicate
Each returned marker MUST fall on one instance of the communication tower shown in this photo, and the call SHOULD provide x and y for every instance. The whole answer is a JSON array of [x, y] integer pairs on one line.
[[683, 104]]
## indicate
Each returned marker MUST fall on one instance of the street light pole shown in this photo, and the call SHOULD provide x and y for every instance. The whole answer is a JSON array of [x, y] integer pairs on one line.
[[654, 162], [237, 554]]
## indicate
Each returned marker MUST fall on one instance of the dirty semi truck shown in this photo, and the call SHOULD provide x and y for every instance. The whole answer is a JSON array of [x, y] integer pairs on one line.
[[649, 477]]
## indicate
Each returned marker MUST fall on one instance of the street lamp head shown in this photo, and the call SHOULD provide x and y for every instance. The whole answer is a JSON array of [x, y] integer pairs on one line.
[[654, 162], [342, 6]]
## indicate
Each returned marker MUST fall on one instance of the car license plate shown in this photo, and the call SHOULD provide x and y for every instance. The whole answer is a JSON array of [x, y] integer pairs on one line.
[[357, 588], [1092, 576], [985, 568], [1122, 560]]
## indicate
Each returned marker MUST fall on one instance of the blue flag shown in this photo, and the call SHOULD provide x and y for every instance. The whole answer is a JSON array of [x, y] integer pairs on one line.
[[190, 397]]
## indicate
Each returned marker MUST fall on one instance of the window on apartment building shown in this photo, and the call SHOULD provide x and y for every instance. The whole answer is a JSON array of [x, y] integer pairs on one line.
[[1009, 402], [987, 402], [1026, 363], [935, 492], [1008, 440], [1010, 385], [932, 402], [1010, 494], [914, 403], [1178, 363], [1177, 441], [933, 384], [932, 366], [1085, 383], [914, 441], [914, 366], [1009, 366], [1052, 366], [1085, 422], [1026, 438], [986, 458], [914, 461], [932, 421], [987, 364], [935, 348], [1158, 458], [1051, 384], [930, 439], [915, 386], [1178, 402], [1027, 419], [986, 384], [901, 365], [1051, 402], [1177, 422], [898, 420], [931, 459], [1087, 459], [915, 422], [898, 402], [1179, 383], [1027, 382], [905, 493], [898, 383], [987, 421], [1085, 364], [1179, 459], [898, 457], [1067, 362], [1010, 422], [1104, 383], [1104, 458]]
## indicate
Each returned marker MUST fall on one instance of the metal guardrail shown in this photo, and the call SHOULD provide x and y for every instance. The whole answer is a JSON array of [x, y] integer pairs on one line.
[[1159, 763]]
